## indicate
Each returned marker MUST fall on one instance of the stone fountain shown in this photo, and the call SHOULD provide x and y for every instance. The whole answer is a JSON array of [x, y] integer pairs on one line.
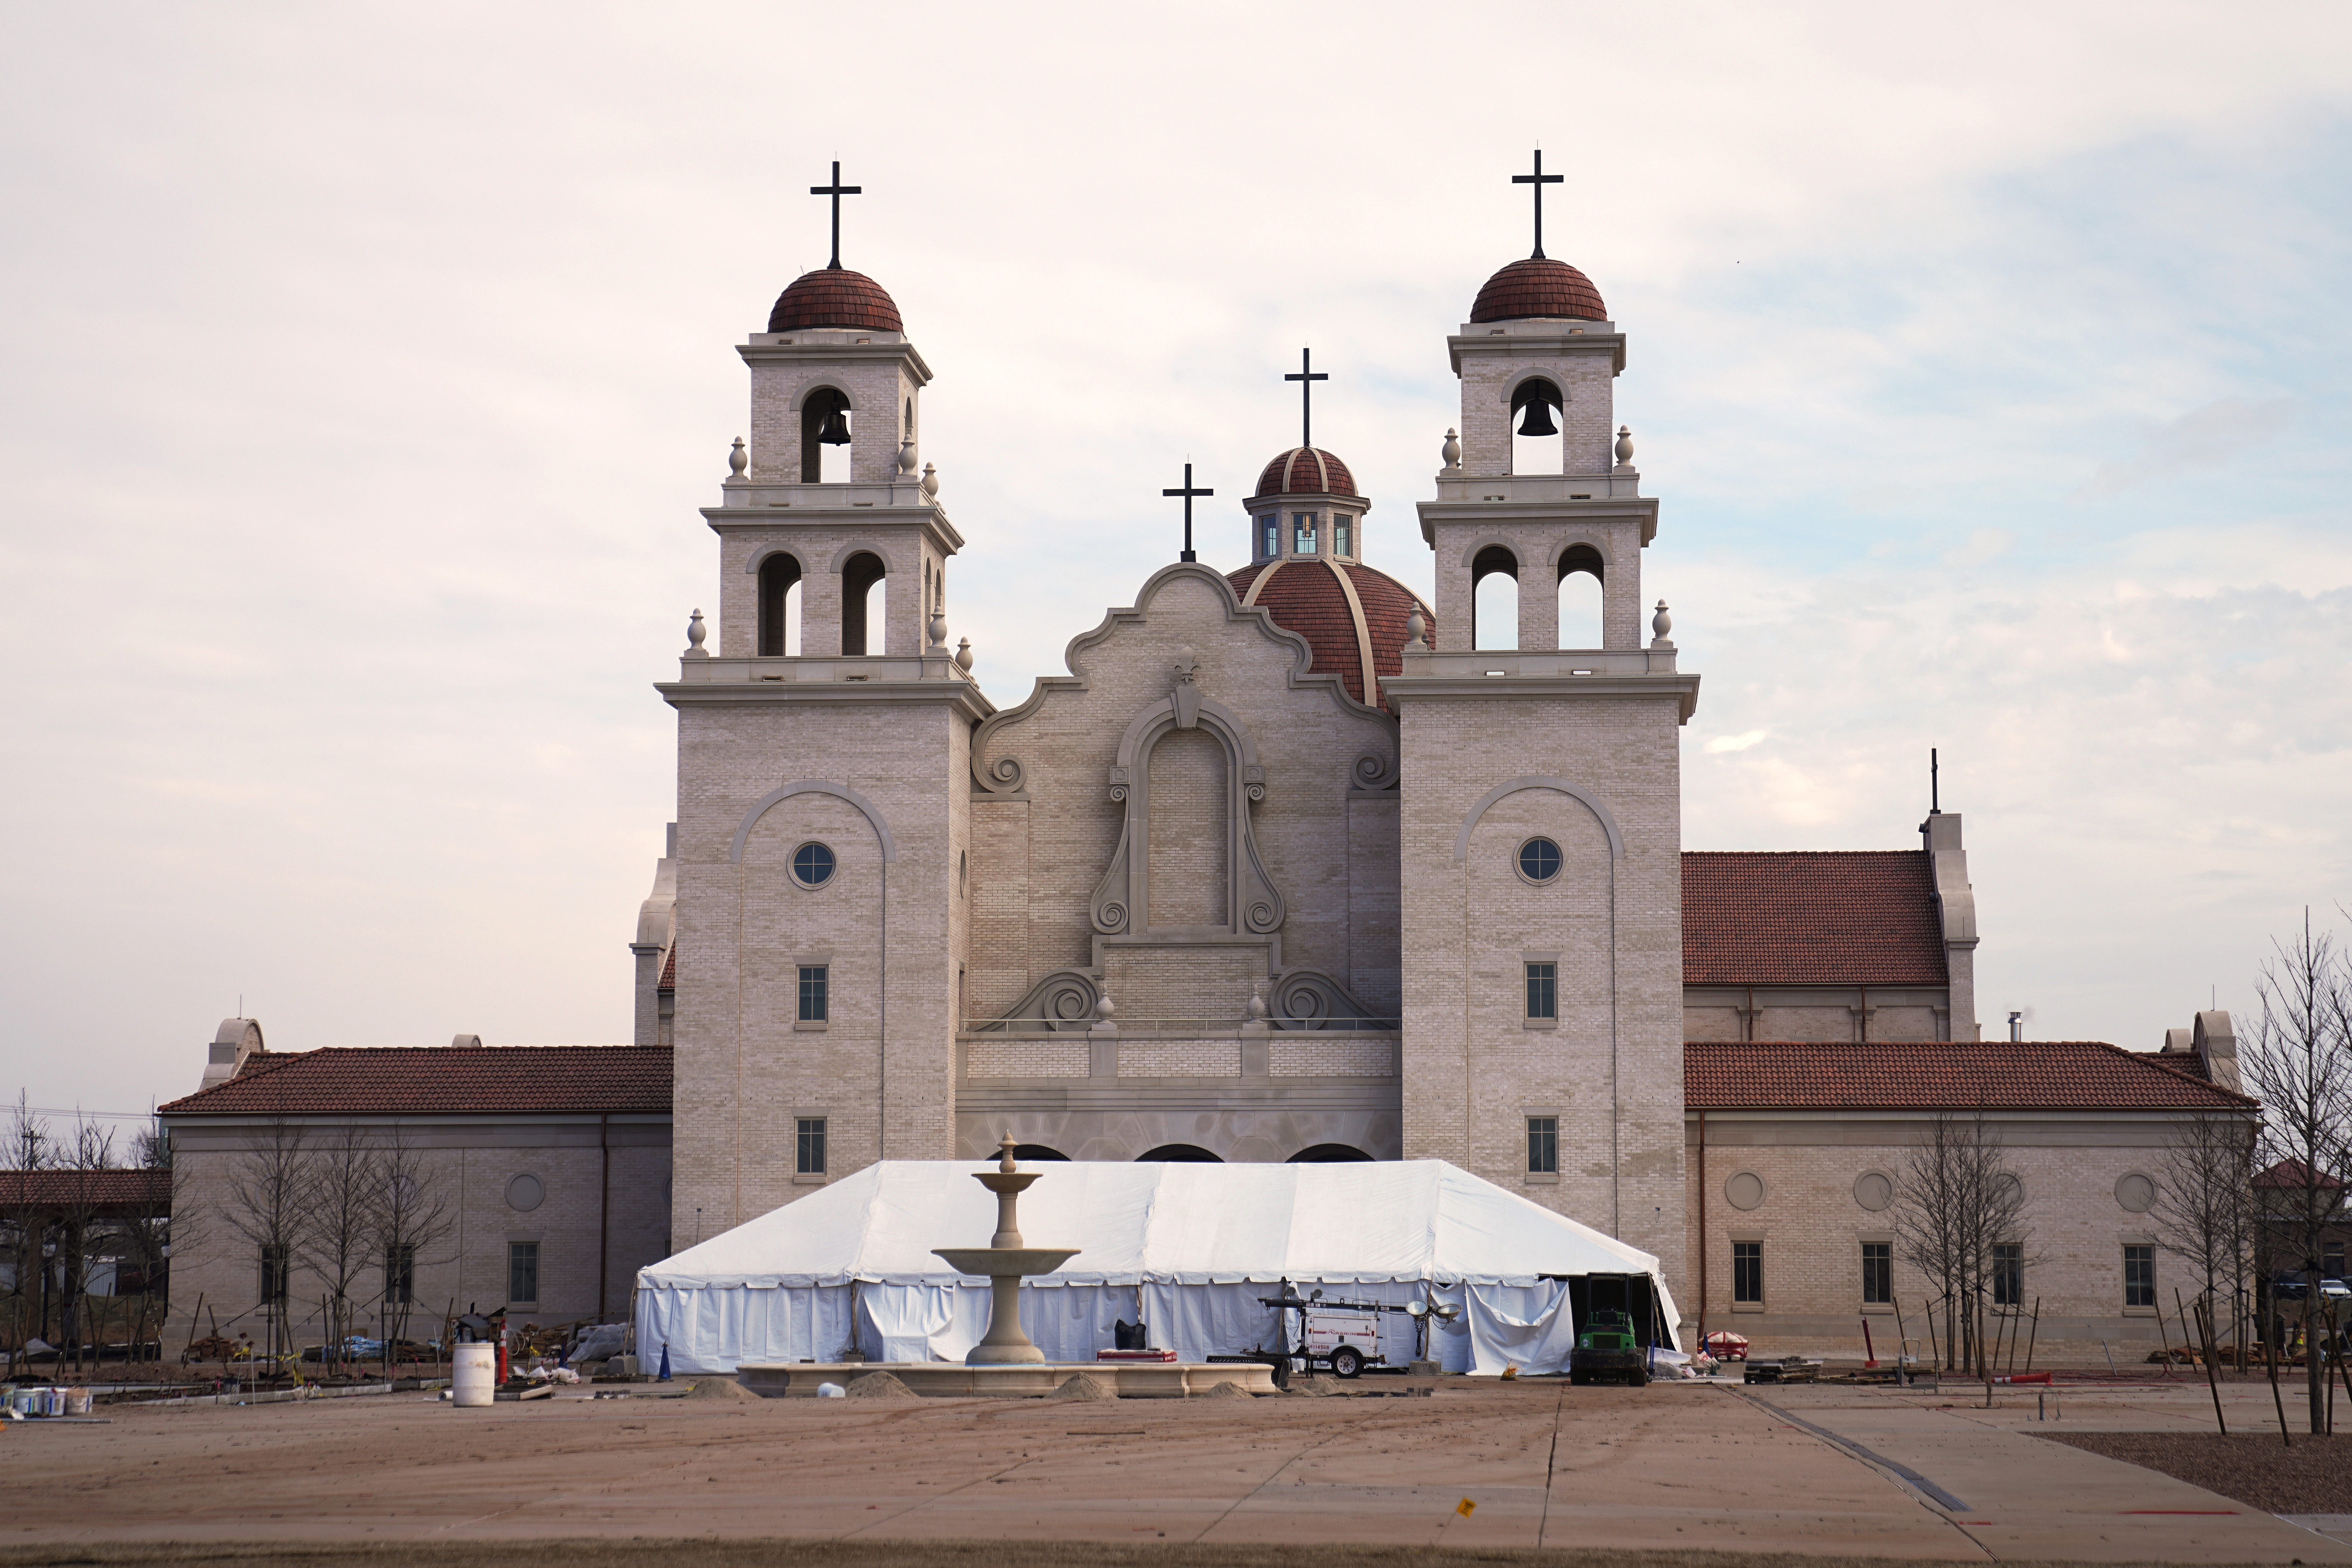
[[1004, 1262]]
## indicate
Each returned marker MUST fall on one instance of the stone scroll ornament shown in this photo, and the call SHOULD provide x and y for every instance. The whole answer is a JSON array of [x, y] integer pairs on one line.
[[1063, 1001], [1121, 894]]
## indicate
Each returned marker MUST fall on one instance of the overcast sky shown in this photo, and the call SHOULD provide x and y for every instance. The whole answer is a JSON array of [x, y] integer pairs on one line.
[[363, 367]]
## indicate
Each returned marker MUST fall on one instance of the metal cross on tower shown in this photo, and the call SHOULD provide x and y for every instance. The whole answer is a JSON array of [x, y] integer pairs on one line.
[[1188, 492], [1307, 376], [1538, 180], [837, 190]]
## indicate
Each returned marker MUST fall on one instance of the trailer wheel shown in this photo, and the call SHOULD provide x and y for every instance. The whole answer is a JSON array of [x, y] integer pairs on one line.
[[1346, 1360]]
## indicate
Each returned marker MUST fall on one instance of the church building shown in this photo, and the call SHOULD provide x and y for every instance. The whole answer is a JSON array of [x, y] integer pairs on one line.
[[1283, 865]]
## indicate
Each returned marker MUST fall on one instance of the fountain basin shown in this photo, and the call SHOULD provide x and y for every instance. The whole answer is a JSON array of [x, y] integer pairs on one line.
[[992, 1261]]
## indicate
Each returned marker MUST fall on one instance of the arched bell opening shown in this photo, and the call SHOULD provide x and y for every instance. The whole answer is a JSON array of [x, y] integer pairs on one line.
[[825, 422], [1537, 444], [1495, 599], [1328, 1154], [862, 600], [779, 607], [1180, 1155], [1581, 574]]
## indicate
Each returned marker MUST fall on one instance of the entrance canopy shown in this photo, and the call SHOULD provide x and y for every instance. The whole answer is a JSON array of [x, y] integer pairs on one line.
[[1188, 1246]]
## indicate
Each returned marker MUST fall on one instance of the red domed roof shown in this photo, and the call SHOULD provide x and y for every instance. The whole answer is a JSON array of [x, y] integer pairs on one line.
[[1304, 596], [834, 297], [1306, 470], [1539, 287]]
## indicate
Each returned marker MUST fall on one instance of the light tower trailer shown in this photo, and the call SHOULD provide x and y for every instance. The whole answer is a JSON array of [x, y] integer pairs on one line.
[[1342, 1335]]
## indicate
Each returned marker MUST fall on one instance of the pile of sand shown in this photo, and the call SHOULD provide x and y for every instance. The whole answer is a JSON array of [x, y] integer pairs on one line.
[[879, 1385], [719, 1388], [1081, 1386], [1310, 1387], [1226, 1390]]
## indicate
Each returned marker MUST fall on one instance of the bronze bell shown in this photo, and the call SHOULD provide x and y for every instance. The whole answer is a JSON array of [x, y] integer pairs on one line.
[[1538, 419], [835, 431]]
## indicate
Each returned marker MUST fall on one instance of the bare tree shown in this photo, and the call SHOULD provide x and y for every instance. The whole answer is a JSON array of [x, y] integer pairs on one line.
[[2300, 1067], [1959, 1201], [82, 1164], [338, 1226], [2205, 1202], [266, 1207], [146, 1237], [411, 1220], [29, 1149]]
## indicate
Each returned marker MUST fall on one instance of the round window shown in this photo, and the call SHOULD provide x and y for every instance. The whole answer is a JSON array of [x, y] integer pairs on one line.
[[1745, 1190], [525, 1193], [812, 865], [2136, 1192], [1538, 859], [1873, 1190]]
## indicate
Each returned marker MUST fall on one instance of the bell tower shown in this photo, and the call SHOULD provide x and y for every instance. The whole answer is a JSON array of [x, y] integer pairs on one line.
[[823, 768], [1541, 836]]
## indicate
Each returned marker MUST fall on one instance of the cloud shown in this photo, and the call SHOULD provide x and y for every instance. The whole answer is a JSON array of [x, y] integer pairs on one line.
[[2210, 436], [1723, 743]]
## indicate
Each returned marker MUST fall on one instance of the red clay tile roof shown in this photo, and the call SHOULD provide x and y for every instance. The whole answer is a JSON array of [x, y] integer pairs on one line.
[[110, 1194], [1306, 470], [834, 297], [1306, 597], [2290, 1175], [1539, 287], [441, 1081], [1807, 918], [1998, 1075], [669, 981]]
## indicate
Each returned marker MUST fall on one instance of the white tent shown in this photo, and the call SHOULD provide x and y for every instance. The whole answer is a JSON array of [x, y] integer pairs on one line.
[[1187, 1248]]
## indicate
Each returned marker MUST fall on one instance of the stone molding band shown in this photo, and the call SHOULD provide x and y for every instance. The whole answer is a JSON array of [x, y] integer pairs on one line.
[[817, 787], [1591, 803]]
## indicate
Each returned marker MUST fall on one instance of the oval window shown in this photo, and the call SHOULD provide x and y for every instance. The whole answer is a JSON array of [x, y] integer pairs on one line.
[[812, 865], [1538, 859]]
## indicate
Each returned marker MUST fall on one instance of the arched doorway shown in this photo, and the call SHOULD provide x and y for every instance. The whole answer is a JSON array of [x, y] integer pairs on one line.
[[1328, 1154], [1179, 1154]]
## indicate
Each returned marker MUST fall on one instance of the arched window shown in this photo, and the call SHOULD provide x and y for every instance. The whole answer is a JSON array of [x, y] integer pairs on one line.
[[1579, 597], [825, 422], [1537, 444], [861, 601], [1179, 1154], [780, 604], [1494, 598], [1328, 1154]]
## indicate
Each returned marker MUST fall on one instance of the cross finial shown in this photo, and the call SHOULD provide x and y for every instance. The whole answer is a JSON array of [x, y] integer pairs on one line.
[[1538, 180], [836, 191], [1188, 492], [1307, 377]]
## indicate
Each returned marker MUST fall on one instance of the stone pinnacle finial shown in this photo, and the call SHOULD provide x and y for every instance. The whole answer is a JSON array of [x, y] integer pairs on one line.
[[963, 653], [1452, 450], [1007, 1145], [1416, 630], [739, 459], [930, 481], [906, 454], [1660, 624], [1624, 444], [695, 633]]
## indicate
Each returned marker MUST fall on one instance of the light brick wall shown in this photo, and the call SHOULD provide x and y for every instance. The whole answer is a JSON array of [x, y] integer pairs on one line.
[[471, 1161], [1811, 1226], [1065, 1055], [1294, 1056]]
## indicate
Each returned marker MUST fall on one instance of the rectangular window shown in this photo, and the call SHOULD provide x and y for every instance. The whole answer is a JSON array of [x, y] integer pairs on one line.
[[522, 1271], [811, 1139], [812, 993], [1339, 532], [1747, 1272], [1302, 528], [1877, 1273], [1543, 990], [1272, 545], [2331, 1259], [2139, 1275], [1543, 1145], [276, 1272], [2009, 1274], [400, 1274]]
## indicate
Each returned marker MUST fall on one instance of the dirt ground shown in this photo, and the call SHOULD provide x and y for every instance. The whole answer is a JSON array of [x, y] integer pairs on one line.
[[1604, 1476], [2314, 1476]]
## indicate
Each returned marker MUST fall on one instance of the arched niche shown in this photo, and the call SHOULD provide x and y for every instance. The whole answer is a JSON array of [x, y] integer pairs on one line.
[[1122, 902], [780, 574]]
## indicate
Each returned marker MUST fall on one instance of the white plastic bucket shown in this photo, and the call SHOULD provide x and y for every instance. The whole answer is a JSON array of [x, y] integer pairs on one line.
[[78, 1401], [473, 1375]]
